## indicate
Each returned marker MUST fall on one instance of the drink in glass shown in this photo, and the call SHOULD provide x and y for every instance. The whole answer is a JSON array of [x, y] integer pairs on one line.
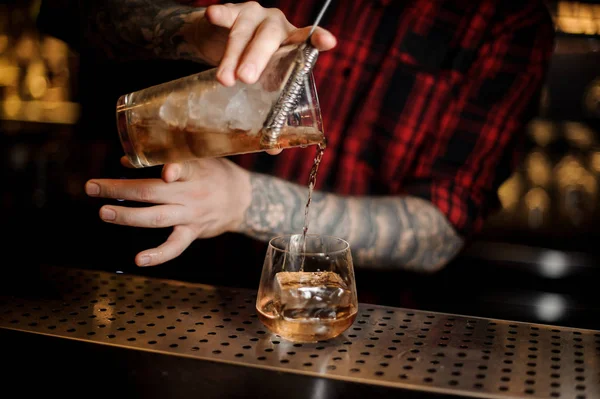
[[307, 293]]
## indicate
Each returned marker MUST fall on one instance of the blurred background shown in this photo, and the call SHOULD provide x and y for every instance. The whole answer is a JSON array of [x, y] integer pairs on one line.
[[535, 260]]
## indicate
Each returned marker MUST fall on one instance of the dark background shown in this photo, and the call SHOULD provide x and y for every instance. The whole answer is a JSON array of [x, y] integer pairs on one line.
[[536, 259]]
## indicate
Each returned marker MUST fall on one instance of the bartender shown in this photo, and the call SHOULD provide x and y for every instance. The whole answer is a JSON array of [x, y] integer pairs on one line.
[[424, 103]]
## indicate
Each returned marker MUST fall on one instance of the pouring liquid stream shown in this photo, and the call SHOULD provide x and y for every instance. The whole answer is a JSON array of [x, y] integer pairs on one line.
[[312, 180], [315, 168]]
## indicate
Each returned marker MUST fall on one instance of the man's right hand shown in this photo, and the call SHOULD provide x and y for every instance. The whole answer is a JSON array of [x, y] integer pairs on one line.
[[241, 38]]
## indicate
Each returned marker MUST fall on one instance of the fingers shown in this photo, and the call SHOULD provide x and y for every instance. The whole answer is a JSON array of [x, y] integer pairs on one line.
[[140, 190], [267, 39], [275, 151], [178, 241], [157, 216], [322, 39], [186, 171], [241, 33], [153, 190], [125, 162], [171, 172], [255, 34], [222, 15]]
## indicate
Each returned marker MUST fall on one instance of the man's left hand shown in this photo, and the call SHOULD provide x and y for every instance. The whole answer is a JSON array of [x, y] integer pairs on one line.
[[199, 199]]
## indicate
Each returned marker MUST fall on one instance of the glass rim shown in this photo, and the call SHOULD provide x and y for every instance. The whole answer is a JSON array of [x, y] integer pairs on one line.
[[287, 251]]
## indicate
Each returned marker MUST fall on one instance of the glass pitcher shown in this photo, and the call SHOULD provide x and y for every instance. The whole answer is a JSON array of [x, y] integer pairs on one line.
[[197, 117]]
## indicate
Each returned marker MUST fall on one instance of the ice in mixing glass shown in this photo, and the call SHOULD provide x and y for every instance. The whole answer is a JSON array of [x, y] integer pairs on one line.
[[196, 116]]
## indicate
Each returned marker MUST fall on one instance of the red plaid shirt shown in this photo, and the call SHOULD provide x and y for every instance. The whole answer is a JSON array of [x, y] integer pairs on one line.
[[427, 98], [422, 97]]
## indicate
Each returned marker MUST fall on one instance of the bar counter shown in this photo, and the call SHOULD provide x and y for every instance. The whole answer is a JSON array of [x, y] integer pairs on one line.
[[77, 332]]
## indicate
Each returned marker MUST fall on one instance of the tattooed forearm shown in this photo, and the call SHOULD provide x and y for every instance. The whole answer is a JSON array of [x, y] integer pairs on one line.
[[134, 29], [405, 232]]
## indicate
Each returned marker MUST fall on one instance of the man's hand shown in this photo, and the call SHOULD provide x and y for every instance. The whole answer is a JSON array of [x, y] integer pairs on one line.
[[199, 199], [241, 38], [238, 38]]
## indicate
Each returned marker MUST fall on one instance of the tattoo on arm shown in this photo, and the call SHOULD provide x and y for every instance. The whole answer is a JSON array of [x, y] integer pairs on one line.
[[134, 29], [404, 232]]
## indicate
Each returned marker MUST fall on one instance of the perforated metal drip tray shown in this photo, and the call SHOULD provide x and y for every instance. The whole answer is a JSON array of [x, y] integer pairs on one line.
[[386, 346]]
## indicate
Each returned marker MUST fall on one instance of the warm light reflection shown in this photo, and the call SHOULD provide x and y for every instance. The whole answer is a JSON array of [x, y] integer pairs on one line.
[[55, 96], [570, 173], [34, 112], [25, 48], [541, 131], [9, 73], [36, 77], [36, 80], [3, 43], [103, 312], [537, 202], [40, 111], [12, 106], [539, 168], [537, 199], [509, 192], [595, 161], [578, 18], [578, 134], [55, 53], [577, 26]]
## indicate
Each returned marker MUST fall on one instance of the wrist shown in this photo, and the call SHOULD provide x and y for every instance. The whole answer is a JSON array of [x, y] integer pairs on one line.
[[242, 198], [200, 40], [188, 22]]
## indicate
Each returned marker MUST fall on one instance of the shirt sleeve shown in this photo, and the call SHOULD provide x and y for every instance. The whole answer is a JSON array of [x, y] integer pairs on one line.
[[62, 19], [483, 126]]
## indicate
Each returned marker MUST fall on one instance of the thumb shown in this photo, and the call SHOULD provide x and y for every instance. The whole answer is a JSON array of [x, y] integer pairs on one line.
[[322, 39], [185, 171], [171, 172], [274, 151], [125, 162]]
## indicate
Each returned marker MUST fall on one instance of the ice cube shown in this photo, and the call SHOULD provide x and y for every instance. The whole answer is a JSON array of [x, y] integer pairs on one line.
[[248, 108], [174, 110], [205, 109], [239, 107], [197, 105], [319, 294], [239, 113]]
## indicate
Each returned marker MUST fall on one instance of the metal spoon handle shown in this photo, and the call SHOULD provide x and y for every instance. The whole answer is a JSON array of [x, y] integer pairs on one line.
[[318, 20], [304, 63]]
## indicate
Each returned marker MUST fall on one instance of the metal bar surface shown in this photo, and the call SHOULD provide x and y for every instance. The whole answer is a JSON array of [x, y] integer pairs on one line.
[[391, 347]]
